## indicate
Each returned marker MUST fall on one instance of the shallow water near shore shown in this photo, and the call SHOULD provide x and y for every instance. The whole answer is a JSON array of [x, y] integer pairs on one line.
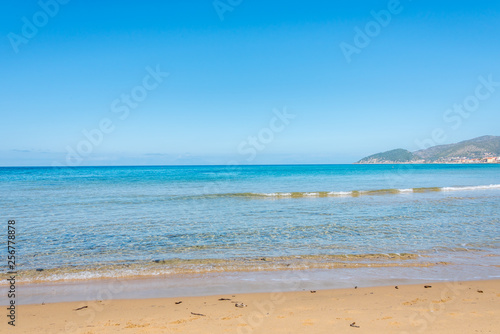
[[224, 283], [127, 222]]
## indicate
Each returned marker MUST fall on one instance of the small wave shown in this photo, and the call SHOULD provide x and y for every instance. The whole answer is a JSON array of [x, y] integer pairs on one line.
[[491, 186], [274, 194], [355, 193], [196, 266], [340, 193]]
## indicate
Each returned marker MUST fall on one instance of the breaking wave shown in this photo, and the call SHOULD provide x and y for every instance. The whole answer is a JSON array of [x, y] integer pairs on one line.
[[354, 193]]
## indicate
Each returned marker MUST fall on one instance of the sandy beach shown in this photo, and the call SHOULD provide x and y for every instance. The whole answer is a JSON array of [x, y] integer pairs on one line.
[[451, 307]]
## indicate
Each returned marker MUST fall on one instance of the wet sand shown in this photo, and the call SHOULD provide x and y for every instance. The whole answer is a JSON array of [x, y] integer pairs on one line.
[[454, 307]]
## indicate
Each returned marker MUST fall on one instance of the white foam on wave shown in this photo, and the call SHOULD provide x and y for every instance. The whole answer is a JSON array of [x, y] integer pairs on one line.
[[96, 274], [276, 194], [340, 193], [402, 191], [491, 186]]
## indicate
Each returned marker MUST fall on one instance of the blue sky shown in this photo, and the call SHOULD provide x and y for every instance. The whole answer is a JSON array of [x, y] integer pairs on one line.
[[228, 79]]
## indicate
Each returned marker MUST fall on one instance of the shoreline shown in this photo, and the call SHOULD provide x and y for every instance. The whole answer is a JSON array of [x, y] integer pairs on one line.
[[445, 307], [173, 267], [203, 277], [211, 283]]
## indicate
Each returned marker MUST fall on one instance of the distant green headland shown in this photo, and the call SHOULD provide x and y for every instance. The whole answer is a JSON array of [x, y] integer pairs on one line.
[[485, 149]]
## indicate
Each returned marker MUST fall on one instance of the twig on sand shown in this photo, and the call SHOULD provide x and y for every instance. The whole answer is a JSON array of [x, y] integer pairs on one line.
[[80, 308], [201, 315]]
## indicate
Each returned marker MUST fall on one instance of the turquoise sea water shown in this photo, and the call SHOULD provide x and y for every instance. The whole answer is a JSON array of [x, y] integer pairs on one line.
[[124, 221]]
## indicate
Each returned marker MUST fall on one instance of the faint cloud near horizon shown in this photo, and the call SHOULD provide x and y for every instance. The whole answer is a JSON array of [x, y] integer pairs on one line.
[[20, 157], [35, 151], [22, 151]]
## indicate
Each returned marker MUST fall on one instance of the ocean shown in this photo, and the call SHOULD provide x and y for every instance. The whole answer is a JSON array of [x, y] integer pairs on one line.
[[106, 222]]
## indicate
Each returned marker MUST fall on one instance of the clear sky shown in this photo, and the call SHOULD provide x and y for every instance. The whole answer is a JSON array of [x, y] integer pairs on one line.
[[347, 79]]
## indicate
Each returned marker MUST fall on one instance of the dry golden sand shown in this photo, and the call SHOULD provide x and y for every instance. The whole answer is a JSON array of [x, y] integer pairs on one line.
[[455, 307]]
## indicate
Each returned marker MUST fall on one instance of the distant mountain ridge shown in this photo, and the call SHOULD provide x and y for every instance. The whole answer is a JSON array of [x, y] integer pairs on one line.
[[468, 151]]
